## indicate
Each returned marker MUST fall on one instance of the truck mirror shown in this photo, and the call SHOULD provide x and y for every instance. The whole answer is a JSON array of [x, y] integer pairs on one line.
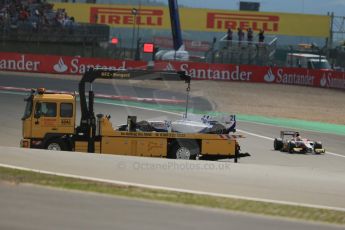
[[37, 114]]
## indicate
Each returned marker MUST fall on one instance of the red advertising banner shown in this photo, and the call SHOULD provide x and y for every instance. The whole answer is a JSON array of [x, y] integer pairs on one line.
[[199, 71], [60, 64], [259, 74]]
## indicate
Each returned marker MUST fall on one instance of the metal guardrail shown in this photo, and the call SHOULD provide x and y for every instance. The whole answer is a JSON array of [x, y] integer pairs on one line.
[[272, 45], [246, 52]]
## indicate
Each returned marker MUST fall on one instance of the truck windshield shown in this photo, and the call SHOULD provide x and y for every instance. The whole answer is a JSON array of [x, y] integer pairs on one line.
[[323, 64], [28, 108]]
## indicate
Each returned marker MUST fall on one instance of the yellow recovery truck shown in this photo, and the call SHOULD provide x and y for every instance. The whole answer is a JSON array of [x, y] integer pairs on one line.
[[49, 122]]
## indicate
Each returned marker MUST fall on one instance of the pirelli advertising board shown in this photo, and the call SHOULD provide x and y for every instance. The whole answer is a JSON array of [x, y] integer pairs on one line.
[[153, 17]]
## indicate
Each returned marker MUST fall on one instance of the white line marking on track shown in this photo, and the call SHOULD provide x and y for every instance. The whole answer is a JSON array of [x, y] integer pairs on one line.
[[174, 189], [255, 135], [335, 154]]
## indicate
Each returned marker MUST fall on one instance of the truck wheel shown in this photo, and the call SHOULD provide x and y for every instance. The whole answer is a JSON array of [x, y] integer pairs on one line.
[[277, 144], [186, 150], [56, 145]]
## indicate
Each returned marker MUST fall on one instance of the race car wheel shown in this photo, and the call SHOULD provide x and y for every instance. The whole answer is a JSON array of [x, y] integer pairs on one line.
[[145, 126], [218, 129], [291, 146], [277, 144], [317, 145], [184, 149]]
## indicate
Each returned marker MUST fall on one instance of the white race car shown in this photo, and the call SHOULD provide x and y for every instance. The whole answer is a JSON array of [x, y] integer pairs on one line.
[[205, 124], [194, 123], [290, 141]]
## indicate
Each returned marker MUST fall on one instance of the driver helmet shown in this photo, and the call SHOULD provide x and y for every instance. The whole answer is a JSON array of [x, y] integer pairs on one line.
[[297, 134]]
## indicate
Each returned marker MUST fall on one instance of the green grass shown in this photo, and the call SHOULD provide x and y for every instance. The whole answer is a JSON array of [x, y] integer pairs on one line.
[[263, 208]]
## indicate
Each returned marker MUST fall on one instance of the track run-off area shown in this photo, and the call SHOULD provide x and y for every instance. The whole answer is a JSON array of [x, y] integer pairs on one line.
[[266, 175]]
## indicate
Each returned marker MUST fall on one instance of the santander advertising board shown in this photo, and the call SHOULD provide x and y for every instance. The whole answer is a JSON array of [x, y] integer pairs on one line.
[[286, 76], [198, 71], [233, 74], [74, 66]]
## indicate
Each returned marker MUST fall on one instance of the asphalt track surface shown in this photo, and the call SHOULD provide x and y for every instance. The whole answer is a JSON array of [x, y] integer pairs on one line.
[[298, 178]]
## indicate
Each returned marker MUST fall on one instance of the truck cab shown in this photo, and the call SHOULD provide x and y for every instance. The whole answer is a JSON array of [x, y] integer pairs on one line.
[[47, 117]]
